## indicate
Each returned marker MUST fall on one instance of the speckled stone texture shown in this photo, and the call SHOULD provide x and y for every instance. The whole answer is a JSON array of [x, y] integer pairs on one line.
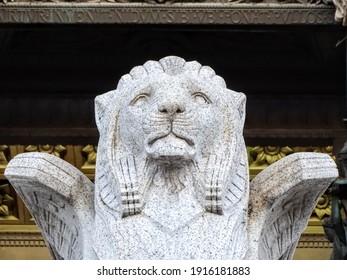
[[172, 177]]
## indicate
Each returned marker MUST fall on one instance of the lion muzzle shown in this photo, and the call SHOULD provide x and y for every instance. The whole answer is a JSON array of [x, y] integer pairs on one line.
[[171, 148]]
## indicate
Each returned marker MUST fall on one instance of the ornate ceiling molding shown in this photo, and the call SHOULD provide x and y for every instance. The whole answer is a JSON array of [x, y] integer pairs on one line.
[[267, 12], [341, 11]]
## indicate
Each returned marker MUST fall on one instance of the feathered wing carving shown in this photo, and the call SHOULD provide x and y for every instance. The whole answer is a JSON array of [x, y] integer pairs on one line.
[[61, 200], [282, 198]]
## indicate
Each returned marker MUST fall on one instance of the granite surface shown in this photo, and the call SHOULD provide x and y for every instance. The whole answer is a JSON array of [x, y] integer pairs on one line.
[[171, 177]]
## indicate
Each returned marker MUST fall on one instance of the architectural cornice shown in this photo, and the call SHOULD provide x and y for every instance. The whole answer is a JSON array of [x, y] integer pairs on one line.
[[229, 13], [314, 241], [21, 236]]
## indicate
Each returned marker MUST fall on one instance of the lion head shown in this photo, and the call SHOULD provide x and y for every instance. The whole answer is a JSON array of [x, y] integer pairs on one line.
[[175, 124]]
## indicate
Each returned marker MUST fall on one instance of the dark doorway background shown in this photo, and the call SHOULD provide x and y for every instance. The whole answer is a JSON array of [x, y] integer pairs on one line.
[[294, 76]]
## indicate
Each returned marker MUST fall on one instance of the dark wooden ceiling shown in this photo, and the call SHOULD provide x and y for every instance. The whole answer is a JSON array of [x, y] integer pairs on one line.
[[294, 76], [90, 59]]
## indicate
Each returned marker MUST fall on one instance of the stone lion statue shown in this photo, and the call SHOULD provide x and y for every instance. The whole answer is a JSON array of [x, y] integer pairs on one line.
[[171, 177]]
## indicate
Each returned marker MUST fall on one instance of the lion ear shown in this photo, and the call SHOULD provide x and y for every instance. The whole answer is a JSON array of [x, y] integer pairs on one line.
[[102, 102], [241, 106], [239, 101]]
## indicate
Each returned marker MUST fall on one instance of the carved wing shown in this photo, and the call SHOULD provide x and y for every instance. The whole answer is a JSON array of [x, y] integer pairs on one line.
[[61, 200], [282, 199]]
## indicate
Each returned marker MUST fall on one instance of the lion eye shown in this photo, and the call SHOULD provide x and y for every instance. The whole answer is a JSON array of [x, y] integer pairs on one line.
[[139, 99], [201, 98]]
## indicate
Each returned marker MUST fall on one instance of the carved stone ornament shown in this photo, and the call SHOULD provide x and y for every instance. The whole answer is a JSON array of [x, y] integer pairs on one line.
[[209, 12], [341, 11], [171, 177], [305, 2]]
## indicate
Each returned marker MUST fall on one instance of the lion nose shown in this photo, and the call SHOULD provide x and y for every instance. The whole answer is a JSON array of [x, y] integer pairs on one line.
[[172, 108]]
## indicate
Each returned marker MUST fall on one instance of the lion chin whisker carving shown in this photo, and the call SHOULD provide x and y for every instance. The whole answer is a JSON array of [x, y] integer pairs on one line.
[[171, 177], [184, 126], [160, 126], [150, 122]]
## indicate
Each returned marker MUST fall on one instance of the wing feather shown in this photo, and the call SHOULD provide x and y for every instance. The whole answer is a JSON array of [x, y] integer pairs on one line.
[[282, 199], [61, 200]]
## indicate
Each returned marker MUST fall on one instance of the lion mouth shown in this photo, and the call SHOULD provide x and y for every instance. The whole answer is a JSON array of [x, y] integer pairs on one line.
[[170, 147], [189, 141]]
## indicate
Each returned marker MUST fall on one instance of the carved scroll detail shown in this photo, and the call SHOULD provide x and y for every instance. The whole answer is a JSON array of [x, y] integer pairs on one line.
[[57, 150], [6, 201], [3, 156], [262, 157], [341, 11], [90, 153], [265, 156], [323, 207]]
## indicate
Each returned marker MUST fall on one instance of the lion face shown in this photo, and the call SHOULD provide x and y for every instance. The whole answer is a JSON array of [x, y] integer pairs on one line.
[[170, 118], [173, 124]]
